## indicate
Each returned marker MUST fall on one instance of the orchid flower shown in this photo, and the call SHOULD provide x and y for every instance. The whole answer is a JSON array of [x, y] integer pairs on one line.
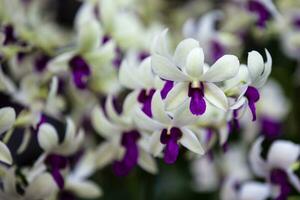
[[168, 130], [271, 111], [243, 89], [55, 152], [195, 80], [141, 78], [86, 58], [278, 167], [124, 146], [36, 184]]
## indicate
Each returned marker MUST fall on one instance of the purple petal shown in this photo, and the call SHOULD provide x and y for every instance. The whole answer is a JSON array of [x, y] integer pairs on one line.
[[296, 22], [130, 159], [118, 58], [217, 50], [120, 169], [166, 89], [9, 33], [41, 62], [198, 104], [58, 178], [80, 70], [261, 11], [56, 161], [279, 177], [143, 55], [145, 98], [105, 39], [270, 128], [252, 95], [171, 151]]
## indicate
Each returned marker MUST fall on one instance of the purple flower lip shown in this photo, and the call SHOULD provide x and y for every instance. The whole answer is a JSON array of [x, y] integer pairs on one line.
[[130, 159], [198, 104], [296, 22], [143, 55], [118, 58], [170, 139], [57, 163], [261, 11], [80, 71], [106, 39], [217, 50], [41, 62], [166, 89], [280, 178], [10, 37], [145, 98], [270, 128], [252, 95]]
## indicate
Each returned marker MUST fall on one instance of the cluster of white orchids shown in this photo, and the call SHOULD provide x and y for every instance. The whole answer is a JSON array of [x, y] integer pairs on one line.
[[114, 92]]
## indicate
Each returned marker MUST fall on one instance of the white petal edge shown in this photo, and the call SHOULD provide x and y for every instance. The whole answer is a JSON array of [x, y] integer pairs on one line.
[[5, 155], [224, 68], [216, 96], [194, 63], [7, 118], [182, 51], [283, 154], [166, 69], [47, 137], [190, 141]]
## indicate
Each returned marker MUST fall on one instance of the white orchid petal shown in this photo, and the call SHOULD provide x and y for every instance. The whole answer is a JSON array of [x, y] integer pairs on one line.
[[183, 116], [130, 103], [155, 145], [147, 162], [182, 51], [216, 96], [111, 111], [158, 109], [165, 69], [176, 96], [128, 76], [7, 118], [145, 122], [84, 188], [105, 154], [47, 137], [41, 187], [224, 68], [254, 190], [60, 63], [89, 35], [294, 179], [255, 65], [257, 164], [223, 134], [266, 73], [160, 45], [283, 154], [101, 124], [101, 56], [146, 74], [191, 142], [5, 155], [195, 62]]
